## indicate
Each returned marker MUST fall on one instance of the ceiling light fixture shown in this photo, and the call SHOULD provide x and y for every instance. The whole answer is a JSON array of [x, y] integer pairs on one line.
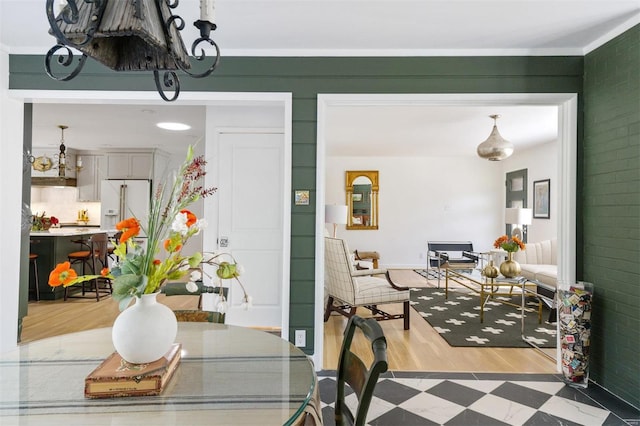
[[62, 156], [173, 126], [495, 148], [129, 35]]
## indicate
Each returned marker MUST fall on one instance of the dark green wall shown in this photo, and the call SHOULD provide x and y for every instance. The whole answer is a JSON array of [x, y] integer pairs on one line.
[[611, 210], [305, 78]]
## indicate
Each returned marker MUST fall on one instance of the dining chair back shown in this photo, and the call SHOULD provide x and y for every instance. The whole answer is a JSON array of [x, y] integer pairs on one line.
[[194, 315], [352, 370]]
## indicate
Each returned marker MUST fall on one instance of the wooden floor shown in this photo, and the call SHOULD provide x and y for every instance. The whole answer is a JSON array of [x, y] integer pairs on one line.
[[419, 349]]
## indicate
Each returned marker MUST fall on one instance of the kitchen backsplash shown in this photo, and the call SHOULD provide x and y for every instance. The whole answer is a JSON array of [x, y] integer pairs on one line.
[[63, 204]]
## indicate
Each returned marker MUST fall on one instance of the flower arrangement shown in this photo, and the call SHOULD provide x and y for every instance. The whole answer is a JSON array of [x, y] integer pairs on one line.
[[510, 245], [41, 222], [169, 226]]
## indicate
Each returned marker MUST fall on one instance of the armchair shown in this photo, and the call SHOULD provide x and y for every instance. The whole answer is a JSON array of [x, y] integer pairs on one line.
[[359, 288], [439, 256]]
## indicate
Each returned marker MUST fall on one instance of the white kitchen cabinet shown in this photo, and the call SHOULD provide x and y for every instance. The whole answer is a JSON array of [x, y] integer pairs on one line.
[[94, 170], [130, 166]]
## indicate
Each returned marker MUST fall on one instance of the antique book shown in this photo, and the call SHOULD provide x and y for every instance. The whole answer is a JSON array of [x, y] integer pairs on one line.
[[115, 377]]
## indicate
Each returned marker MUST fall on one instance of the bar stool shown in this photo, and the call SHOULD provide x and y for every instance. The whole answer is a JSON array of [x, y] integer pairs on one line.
[[96, 258], [33, 260], [82, 257]]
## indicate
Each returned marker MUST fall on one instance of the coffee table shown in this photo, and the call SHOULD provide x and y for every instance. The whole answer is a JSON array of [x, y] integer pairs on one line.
[[488, 288]]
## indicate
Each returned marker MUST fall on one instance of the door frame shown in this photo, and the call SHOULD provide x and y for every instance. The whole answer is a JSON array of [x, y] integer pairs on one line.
[[567, 104], [14, 127]]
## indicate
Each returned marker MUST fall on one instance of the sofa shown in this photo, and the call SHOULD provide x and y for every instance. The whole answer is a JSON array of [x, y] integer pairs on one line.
[[539, 262]]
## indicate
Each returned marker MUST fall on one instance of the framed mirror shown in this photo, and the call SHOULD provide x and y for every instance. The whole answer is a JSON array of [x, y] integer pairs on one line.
[[362, 199]]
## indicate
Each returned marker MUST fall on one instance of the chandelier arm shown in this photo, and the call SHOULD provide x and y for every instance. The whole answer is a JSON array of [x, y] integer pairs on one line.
[[205, 28], [64, 60], [177, 19], [201, 57], [169, 80]]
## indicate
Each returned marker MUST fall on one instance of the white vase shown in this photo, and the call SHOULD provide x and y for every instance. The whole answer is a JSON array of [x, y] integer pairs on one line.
[[144, 332]]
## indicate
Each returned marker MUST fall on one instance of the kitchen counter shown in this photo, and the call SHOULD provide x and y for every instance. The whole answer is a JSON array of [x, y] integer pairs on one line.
[[71, 232]]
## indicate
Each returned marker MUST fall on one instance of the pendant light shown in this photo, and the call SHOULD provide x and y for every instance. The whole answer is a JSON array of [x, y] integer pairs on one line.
[[495, 148]]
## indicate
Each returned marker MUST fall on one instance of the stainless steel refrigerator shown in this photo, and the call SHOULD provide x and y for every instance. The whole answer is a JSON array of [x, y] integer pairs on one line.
[[121, 199]]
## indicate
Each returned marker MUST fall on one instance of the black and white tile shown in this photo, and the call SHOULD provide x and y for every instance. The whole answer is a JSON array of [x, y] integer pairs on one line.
[[420, 398]]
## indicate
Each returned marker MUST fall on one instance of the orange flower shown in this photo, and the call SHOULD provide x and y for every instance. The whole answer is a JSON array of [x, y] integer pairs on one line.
[[168, 246], [191, 218], [104, 272], [498, 243], [62, 275], [519, 243], [156, 262], [130, 228]]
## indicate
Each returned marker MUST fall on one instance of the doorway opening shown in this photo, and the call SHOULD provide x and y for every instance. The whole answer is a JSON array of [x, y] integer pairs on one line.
[[567, 159]]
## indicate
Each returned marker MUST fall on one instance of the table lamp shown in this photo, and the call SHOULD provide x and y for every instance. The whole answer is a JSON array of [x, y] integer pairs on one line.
[[335, 214], [518, 216]]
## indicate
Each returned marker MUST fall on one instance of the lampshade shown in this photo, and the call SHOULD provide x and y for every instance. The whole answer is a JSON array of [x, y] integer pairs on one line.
[[495, 148], [336, 214], [518, 216]]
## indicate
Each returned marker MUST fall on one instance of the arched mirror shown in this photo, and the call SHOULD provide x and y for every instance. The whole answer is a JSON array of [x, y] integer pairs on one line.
[[362, 199]]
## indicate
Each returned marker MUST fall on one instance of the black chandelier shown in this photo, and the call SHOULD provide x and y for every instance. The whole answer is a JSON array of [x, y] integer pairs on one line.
[[129, 35]]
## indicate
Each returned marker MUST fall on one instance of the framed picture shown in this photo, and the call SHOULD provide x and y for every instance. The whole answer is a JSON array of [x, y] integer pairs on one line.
[[357, 198], [302, 198], [541, 191]]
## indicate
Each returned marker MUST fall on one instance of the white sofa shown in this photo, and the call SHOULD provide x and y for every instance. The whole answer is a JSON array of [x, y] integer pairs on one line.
[[539, 262]]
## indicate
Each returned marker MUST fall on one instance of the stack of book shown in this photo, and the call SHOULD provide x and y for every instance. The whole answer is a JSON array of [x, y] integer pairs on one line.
[[115, 377]]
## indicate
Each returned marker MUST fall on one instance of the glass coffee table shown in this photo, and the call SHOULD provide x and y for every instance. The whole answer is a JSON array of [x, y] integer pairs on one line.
[[489, 288]]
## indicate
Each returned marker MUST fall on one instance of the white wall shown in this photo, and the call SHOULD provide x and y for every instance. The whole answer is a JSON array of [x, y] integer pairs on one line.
[[422, 199], [440, 198], [541, 163]]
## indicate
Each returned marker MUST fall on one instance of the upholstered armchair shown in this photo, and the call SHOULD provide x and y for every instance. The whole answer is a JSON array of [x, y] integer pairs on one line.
[[359, 288]]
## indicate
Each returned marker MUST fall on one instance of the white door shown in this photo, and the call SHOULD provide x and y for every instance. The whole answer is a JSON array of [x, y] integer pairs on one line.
[[251, 219]]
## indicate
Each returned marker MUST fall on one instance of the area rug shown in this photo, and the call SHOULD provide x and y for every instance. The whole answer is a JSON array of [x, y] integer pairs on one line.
[[457, 319], [427, 274]]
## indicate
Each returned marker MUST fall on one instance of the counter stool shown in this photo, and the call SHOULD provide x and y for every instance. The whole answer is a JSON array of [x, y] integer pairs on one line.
[[83, 257], [33, 260], [96, 258]]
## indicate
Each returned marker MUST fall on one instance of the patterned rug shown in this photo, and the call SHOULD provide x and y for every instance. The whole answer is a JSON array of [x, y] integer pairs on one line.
[[457, 319]]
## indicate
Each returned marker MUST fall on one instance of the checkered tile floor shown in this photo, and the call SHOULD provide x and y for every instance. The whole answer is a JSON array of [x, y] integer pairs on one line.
[[416, 398]]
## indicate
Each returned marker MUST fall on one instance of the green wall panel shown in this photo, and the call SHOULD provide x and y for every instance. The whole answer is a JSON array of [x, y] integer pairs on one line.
[[305, 178], [304, 155], [305, 78], [611, 209]]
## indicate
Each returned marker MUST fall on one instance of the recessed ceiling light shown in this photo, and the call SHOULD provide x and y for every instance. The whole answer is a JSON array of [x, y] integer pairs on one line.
[[173, 126]]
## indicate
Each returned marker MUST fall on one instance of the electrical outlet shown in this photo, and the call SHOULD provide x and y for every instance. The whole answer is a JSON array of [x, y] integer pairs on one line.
[[301, 338], [421, 255]]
